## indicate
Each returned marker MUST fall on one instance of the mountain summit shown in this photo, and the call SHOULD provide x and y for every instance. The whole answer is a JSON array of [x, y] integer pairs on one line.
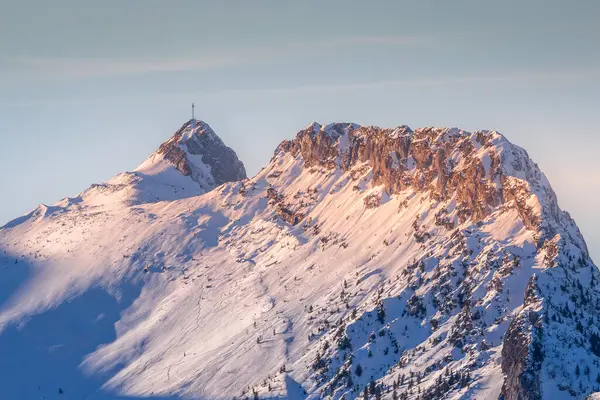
[[196, 151], [192, 162], [431, 263]]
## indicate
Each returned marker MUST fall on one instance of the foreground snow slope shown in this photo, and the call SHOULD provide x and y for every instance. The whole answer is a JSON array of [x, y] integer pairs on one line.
[[433, 263]]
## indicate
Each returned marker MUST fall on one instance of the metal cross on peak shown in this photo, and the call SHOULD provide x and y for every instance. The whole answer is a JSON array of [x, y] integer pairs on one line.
[[193, 106]]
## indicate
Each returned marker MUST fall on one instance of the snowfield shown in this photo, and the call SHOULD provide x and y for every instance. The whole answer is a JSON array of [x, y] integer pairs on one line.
[[442, 268]]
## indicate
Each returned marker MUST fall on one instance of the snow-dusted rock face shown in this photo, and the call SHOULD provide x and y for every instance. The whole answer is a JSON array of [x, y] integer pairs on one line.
[[425, 264], [193, 161], [196, 151], [481, 170]]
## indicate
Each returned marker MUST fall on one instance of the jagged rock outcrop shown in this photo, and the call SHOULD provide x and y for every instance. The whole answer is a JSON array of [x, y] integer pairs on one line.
[[522, 381], [522, 351], [446, 162], [197, 139], [276, 200], [481, 170]]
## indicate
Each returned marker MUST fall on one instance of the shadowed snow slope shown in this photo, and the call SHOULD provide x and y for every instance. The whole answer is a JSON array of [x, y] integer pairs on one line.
[[432, 263]]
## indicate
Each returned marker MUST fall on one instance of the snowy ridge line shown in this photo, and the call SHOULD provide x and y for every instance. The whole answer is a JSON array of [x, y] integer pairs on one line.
[[425, 264]]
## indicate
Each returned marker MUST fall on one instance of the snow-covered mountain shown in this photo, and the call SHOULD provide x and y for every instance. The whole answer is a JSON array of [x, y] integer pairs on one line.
[[192, 162], [424, 264], [196, 152]]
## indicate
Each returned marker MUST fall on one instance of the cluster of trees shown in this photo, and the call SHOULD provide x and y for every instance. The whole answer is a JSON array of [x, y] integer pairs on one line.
[[444, 383]]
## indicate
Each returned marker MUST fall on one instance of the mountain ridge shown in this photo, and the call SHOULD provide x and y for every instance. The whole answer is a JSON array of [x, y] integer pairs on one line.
[[433, 263]]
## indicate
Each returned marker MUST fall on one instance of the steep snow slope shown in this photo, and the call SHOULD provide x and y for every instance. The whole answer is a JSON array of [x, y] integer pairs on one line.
[[433, 263]]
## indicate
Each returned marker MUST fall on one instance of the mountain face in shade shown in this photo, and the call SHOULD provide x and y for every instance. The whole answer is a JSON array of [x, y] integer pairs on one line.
[[415, 264]]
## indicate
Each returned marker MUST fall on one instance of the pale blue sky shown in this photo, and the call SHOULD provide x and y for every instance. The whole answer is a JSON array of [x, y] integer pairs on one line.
[[89, 90]]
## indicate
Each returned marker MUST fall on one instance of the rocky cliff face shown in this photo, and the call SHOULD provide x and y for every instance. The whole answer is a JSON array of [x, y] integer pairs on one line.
[[522, 351], [483, 170], [195, 148]]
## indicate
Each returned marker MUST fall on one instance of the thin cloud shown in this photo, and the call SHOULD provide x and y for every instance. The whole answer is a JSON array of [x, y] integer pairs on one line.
[[534, 77], [91, 67], [386, 40], [521, 78], [54, 67]]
